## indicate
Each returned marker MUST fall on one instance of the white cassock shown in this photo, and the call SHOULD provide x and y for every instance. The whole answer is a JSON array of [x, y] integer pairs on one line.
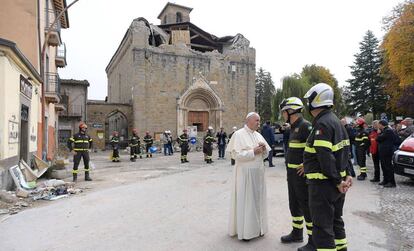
[[248, 213]]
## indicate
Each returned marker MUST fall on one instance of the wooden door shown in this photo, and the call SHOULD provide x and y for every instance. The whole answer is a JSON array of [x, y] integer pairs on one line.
[[199, 119]]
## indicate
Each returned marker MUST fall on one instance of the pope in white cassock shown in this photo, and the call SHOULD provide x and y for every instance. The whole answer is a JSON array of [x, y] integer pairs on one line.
[[248, 213]]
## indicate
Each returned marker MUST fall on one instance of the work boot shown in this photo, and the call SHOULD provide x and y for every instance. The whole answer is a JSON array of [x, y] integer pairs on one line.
[[309, 246], [186, 160], [295, 236], [182, 161], [362, 176], [87, 178], [140, 156], [75, 177], [133, 159]]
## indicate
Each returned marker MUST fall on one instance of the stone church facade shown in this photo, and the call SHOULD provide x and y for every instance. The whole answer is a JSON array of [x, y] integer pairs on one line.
[[176, 75]]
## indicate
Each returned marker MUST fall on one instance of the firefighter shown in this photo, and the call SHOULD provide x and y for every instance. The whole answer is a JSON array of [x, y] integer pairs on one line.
[[208, 145], [362, 143], [326, 163], [135, 145], [115, 147], [80, 144], [183, 142], [148, 143], [291, 109]]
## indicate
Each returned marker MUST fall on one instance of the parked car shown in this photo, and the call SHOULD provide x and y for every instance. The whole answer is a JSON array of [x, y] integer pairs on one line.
[[404, 158], [278, 147]]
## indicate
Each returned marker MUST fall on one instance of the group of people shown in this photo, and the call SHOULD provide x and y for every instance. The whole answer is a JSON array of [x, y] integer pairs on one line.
[[379, 141], [318, 174]]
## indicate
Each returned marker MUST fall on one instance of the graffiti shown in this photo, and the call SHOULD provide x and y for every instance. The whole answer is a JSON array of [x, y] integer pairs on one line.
[[13, 132]]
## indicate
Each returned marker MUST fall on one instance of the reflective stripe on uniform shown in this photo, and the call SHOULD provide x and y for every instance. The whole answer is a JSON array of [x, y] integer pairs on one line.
[[75, 171], [71, 139], [322, 143], [80, 149], [81, 141], [340, 241], [320, 176], [340, 247], [327, 144], [297, 145], [309, 224], [310, 149], [309, 232], [299, 226], [361, 139], [297, 218], [294, 165]]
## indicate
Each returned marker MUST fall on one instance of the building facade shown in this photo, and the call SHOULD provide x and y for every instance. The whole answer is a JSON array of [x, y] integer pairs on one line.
[[177, 75], [74, 96]]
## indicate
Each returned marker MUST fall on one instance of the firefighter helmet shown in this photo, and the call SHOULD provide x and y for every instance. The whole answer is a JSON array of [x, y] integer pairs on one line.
[[83, 125], [293, 103], [360, 121], [320, 95]]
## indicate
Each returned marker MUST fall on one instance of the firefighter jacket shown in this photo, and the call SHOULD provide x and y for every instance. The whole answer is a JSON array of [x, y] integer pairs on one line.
[[134, 141], [80, 142], [148, 140], [326, 155], [209, 139], [115, 142], [183, 140], [299, 132], [361, 139]]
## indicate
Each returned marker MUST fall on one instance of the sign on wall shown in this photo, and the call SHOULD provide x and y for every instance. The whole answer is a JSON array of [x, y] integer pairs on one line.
[[13, 132], [26, 87]]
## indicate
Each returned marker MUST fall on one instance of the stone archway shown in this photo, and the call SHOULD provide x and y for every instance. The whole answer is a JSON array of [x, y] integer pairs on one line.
[[199, 106]]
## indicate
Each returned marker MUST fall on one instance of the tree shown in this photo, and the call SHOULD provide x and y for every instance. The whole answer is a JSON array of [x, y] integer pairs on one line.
[[366, 87], [314, 74], [264, 94], [398, 46]]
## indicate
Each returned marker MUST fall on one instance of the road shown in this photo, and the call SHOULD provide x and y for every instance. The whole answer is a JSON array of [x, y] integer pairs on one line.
[[159, 204]]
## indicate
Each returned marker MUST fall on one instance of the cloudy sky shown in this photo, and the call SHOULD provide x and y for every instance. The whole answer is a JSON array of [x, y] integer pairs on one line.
[[286, 34]]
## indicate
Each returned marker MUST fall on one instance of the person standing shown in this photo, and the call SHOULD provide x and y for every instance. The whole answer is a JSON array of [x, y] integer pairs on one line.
[[148, 143], [351, 136], [269, 135], [386, 138], [248, 209], [326, 163], [362, 148], [183, 141], [409, 129], [232, 161], [221, 139], [135, 145], [164, 140], [291, 109], [208, 145], [373, 149], [79, 145], [170, 142], [115, 147]]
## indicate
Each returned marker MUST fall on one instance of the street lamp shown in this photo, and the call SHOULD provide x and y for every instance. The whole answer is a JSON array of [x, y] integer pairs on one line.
[[42, 72]]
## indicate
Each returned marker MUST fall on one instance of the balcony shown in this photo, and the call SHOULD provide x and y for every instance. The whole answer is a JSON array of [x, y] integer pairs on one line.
[[52, 88], [74, 111], [61, 56], [54, 35]]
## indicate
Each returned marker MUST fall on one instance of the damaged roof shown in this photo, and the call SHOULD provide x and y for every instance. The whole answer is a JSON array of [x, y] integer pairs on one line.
[[175, 5]]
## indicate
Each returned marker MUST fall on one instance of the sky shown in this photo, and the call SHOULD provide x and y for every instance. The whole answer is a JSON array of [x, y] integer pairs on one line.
[[287, 34]]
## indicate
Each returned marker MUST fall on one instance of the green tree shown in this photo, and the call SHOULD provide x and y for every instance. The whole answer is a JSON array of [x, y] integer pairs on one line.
[[314, 74], [265, 90], [366, 87]]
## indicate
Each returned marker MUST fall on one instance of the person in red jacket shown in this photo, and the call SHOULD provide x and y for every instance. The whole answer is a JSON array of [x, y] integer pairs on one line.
[[373, 149]]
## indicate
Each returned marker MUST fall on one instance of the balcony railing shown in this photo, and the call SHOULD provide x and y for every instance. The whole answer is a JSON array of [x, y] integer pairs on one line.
[[61, 56], [54, 37], [73, 111], [52, 87]]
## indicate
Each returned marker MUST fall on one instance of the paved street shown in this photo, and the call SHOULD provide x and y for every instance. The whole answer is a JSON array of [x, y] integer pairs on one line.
[[159, 204]]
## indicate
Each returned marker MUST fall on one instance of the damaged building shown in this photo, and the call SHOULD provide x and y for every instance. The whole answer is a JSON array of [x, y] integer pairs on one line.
[[175, 75]]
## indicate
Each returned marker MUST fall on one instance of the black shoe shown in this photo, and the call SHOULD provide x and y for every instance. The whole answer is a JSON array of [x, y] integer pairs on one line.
[[307, 247], [295, 236], [361, 177], [87, 178], [113, 160], [382, 183], [272, 166], [140, 157], [390, 185], [75, 177], [374, 180], [186, 161], [182, 161], [133, 160]]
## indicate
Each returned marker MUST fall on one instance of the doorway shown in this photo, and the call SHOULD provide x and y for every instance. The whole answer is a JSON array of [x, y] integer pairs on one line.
[[199, 119], [24, 133]]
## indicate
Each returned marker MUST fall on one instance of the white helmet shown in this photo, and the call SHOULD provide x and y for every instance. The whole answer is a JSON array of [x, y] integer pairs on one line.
[[320, 95], [234, 128], [210, 128], [293, 103]]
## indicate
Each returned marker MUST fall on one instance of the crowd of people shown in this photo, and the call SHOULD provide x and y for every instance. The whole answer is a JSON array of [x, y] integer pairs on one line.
[[319, 159]]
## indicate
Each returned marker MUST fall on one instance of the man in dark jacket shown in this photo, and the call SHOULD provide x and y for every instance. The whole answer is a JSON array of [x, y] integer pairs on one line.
[[269, 135], [221, 142], [386, 140], [80, 144]]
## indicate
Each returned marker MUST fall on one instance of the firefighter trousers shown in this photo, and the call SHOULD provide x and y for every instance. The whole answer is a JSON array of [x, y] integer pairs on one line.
[[77, 158], [135, 151], [115, 154], [326, 207], [361, 159], [298, 201], [184, 151]]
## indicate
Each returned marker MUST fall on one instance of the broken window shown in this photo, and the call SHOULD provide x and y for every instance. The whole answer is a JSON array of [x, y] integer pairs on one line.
[[179, 17]]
